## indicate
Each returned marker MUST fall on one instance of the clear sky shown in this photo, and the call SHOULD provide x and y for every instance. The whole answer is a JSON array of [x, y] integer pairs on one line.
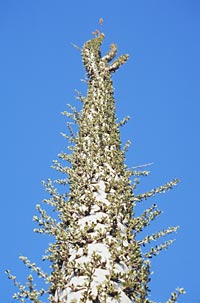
[[158, 88]]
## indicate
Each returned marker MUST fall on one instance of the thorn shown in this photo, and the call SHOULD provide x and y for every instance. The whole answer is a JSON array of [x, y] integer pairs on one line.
[[96, 33], [101, 21]]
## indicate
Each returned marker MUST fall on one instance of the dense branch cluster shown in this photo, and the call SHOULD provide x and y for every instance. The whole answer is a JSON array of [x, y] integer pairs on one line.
[[96, 256]]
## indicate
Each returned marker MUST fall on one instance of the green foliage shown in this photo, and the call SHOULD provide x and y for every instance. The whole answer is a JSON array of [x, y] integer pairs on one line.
[[96, 255]]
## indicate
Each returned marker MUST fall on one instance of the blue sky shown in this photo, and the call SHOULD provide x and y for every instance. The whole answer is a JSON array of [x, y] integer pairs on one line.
[[158, 88]]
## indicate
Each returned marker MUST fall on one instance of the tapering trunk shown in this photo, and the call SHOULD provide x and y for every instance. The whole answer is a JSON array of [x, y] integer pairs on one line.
[[98, 265]]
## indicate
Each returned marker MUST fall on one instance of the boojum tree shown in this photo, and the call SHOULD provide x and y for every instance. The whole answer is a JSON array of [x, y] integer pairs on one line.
[[96, 256]]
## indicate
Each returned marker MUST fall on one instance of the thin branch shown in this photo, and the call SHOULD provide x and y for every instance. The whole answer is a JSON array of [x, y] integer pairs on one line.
[[142, 165]]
